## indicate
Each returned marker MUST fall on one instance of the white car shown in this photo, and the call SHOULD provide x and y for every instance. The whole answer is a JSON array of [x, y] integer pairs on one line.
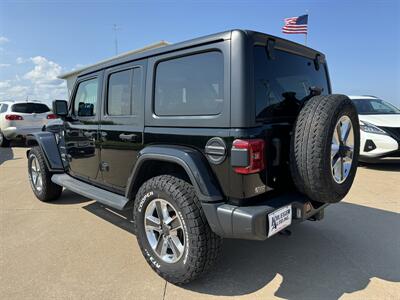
[[19, 118], [380, 128]]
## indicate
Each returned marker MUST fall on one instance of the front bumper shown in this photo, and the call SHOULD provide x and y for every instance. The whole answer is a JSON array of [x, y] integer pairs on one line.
[[376, 146], [251, 222], [20, 132]]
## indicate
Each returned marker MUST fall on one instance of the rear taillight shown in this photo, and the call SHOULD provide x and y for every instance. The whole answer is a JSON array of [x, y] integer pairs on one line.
[[14, 117], [249, 156], [51, 116]]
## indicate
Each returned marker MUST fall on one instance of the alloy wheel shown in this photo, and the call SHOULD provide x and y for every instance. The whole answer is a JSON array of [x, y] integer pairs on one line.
[[342, 149], [164, 230], [36, 174]]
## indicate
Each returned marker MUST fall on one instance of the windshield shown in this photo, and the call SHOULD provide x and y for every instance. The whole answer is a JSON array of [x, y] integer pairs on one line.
[[30, 108], [375, 107], [284, 82]]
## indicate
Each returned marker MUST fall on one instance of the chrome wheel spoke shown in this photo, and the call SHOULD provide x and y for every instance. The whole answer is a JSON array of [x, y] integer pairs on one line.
[[159, 211], [334, 150], [176, 246], [346, 127], [175, 225], [153, 223], [339, 131], [337, 169], [162, 246], [36, 175], [346, 168], [39, 182]]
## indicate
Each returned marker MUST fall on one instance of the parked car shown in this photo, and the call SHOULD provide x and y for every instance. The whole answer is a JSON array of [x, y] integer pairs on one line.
[[232, 135], [380, 128], [19, 118]]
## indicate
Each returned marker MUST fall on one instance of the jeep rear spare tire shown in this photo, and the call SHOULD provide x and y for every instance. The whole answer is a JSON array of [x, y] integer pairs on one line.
[[324, 148]]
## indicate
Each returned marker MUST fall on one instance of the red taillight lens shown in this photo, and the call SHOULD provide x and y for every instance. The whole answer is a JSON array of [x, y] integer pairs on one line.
[[51, 116], [14, 117], [255, 152]]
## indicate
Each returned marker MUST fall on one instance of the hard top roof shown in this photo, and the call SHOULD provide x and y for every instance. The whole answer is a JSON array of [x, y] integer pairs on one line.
[[226, 35]]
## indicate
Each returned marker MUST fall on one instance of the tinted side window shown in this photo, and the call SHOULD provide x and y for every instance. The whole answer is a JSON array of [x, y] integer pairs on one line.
[[119, 93], [190, 86], [123, 92], [30, 108], [85, 102], [282, 83]]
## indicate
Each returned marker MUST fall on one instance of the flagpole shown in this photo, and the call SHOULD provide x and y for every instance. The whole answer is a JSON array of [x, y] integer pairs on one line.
[[305, 36]]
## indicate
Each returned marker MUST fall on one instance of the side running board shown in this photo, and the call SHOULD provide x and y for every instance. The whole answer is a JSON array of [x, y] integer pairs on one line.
[[105, 197]]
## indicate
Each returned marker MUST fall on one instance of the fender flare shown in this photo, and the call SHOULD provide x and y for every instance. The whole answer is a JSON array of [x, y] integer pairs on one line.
[[48, 144], [192, 161]]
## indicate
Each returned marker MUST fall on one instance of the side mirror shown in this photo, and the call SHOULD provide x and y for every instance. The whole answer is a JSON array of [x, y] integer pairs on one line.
[[60, 108]]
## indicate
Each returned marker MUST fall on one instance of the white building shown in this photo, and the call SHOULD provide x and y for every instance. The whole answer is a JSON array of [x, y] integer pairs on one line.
[[70, 77]]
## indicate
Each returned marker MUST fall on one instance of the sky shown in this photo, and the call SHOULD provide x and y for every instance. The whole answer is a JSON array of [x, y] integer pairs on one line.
[[39, 40]]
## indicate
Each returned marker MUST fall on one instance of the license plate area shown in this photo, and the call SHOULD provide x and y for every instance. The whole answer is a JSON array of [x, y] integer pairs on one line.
[[279, 219]]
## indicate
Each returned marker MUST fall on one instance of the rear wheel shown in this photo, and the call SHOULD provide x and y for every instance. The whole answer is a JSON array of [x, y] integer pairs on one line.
[[40, 177], [172, 230], [324, 148], [3, 141]]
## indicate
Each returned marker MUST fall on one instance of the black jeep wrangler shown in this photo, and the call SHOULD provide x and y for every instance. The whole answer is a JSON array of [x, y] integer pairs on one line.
[[232, 135]]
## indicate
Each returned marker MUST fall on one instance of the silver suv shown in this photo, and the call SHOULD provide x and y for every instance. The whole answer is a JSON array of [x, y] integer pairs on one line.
[[19, 118]]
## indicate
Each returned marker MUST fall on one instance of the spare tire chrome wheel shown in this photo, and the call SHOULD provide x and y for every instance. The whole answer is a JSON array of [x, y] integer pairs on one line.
[[164, 230], [325, 147], [342, 149]]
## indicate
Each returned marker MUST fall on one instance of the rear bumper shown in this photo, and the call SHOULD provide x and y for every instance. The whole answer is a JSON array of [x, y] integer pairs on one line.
[[251, 222], [20, 132]]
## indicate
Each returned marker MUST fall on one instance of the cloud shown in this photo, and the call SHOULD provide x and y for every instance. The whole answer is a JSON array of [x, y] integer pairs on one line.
[[5, 84], [3, 40], [4, 65], [39, 83], [20, 60], [44, 72]]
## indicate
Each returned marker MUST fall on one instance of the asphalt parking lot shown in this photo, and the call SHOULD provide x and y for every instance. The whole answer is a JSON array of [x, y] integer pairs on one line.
[[75, 248]]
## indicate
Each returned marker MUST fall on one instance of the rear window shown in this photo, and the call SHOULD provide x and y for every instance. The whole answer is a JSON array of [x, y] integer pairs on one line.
[[30, 108], [190, 85], [282, 83]]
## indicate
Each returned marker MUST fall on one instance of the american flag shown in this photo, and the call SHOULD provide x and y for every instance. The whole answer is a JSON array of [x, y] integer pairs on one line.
[[296, 25]]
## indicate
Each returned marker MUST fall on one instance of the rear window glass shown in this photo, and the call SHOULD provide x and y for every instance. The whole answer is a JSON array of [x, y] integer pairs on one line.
[[282, 83], [30, 108], [190, 86]]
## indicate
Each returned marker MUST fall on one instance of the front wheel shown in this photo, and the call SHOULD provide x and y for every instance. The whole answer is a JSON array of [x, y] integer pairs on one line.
[[172, 230], [40, 177]]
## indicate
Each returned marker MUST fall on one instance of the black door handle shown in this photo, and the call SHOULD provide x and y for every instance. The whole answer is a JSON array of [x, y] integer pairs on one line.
[[128, 137]]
